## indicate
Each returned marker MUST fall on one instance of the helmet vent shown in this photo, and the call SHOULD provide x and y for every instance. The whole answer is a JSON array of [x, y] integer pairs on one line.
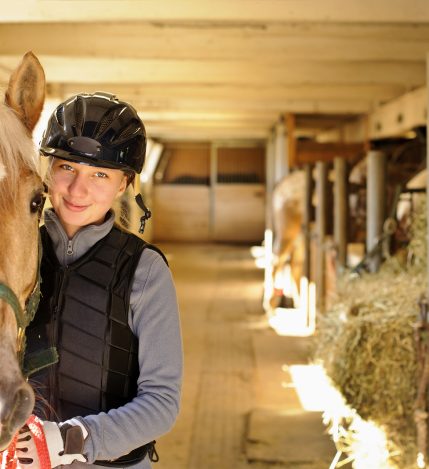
[[106, 121], [60, 116], [128, 132], [79, 115]]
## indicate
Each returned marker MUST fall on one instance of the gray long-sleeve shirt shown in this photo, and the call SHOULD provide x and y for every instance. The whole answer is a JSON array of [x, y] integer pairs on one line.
[[153, 317]]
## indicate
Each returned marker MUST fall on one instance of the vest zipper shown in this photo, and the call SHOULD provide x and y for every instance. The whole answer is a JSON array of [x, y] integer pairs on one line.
[[69, 248]]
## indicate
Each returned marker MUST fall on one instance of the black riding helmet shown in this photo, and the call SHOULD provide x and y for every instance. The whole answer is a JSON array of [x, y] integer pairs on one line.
[[99, 130], [96, 129]]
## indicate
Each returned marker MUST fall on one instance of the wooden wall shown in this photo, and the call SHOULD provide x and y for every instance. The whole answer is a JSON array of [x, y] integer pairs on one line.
[[210, 193]]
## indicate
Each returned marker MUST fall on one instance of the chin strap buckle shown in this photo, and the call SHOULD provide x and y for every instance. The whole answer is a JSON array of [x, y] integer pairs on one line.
[[146, 212]]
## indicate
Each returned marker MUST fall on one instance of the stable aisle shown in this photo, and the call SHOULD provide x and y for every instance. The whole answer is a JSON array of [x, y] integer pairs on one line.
[[239, 406]]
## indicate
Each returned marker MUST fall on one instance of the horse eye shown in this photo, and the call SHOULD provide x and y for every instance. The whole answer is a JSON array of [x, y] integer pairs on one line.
[[37, 202]]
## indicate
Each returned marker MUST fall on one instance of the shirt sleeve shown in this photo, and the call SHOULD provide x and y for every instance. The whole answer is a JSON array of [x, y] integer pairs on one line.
[[154, 319]]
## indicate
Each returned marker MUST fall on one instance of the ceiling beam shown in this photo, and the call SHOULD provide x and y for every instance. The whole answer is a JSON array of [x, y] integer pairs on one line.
[[253, 11], [130, 71], [270, 43], [153, 94]]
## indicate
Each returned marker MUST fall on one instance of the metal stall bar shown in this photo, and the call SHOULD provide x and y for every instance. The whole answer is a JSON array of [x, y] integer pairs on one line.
[[321, 192], [340, 213], [375, 205]]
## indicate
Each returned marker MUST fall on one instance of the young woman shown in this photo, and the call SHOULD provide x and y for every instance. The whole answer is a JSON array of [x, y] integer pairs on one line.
[[108, 302]]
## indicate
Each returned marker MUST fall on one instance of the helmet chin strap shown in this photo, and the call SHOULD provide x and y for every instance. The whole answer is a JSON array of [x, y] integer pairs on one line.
[[146, 212]]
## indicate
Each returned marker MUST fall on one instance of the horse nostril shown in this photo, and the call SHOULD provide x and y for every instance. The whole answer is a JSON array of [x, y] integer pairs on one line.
[[24, 403], [15, 407]]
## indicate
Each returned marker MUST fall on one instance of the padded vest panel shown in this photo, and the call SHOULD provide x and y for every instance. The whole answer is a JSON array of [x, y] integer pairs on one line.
[[84, 312]]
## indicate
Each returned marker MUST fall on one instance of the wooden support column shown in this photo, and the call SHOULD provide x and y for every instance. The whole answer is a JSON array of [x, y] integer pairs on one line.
[[321, 192], [307, 219], [375, 204], [269, 179], [427, 162], [281, 167], [340, 213]]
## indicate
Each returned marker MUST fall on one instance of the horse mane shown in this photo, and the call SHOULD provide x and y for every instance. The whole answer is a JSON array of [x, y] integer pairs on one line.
[[17, 152]]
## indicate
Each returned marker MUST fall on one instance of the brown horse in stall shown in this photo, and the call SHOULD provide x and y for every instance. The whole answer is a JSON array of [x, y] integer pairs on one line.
[[21, 199], [288, 210]]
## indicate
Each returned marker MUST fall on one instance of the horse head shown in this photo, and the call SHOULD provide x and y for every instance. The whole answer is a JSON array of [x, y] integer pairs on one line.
[[21, 191]]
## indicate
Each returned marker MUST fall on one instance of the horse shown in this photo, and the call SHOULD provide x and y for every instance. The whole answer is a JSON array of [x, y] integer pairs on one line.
[[21, 198], [288, 210]]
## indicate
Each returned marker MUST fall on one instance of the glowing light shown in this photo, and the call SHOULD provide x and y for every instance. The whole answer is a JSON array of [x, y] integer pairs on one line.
[[301, 320], [313, 388], [289, 322], [268, 274], [421, 461], [363, 441]]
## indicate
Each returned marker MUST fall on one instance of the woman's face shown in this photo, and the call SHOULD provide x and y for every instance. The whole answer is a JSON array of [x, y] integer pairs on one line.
[[81, 195]]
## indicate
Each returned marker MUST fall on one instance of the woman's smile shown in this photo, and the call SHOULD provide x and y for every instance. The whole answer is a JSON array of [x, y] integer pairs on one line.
[[75, 207]]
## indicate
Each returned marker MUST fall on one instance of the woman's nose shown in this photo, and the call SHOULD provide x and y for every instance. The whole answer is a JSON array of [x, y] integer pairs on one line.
[[78, 186]]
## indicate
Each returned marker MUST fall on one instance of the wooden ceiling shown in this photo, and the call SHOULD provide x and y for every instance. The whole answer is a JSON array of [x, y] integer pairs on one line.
[[207, 70]]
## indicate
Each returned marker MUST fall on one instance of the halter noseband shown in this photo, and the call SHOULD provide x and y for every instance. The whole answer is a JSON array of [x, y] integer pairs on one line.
[[8, 295]]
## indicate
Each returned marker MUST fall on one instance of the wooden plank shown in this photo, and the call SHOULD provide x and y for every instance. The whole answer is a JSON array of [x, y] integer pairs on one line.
[[130, 71], [181, 213], [313, 152], [399, 116], [153, 96], [175, 132], [208, 42], [381, 11], [239, 212]]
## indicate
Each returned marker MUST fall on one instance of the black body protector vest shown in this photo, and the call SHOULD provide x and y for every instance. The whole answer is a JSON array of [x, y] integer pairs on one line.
[[83, 311]]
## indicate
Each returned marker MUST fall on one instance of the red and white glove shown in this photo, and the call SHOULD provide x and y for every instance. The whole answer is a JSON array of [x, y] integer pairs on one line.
[[64, 442]]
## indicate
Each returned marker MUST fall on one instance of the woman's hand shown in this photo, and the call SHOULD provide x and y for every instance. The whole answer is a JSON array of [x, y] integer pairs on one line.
[[64, 444]]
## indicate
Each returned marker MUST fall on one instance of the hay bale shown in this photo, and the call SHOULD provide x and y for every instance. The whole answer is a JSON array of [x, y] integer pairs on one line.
[[367, 346]]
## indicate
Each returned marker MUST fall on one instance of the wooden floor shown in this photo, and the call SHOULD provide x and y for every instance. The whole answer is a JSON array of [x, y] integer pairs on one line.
[[233, 391]]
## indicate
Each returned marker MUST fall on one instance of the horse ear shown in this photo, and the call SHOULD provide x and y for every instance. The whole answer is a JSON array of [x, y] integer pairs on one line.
[[26, 91]]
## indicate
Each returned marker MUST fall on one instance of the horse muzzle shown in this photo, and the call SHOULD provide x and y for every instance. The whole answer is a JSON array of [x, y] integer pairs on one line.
[[16, 404]]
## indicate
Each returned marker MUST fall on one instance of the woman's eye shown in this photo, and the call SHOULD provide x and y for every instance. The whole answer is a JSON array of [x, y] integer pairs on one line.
[[37, 202], [100, 174], [66, 167]]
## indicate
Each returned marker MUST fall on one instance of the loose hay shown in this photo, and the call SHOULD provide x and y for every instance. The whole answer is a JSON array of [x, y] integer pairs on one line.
[[367, 346]]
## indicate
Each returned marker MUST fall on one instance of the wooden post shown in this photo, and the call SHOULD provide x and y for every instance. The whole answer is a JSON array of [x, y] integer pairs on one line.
[[375, 205], [213, 183], [427, 166], [269, 179], [281, 167], [340, 213], [321, 191], [307, 219], [291, 148]]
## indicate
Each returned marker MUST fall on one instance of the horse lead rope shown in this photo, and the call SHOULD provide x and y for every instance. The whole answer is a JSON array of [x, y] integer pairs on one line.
[[9, 456]]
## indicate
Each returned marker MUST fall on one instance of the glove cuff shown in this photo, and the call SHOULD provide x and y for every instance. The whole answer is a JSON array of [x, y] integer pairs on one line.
[[73, 439]]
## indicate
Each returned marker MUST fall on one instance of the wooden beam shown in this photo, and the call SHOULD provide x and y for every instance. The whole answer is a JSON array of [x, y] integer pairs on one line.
[[178, 132], [399, 116], [368, 11], [143, 40], [131, 71], [312, 152], [248, 92]]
